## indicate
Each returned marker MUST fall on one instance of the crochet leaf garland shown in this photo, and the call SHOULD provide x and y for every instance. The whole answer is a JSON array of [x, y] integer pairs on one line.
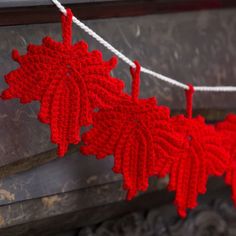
[[75, 89], [135, 132], [69, 82], [227, 130]]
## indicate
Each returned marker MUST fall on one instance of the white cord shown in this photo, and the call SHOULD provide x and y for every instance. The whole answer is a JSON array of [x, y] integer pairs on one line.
[[143, 69]]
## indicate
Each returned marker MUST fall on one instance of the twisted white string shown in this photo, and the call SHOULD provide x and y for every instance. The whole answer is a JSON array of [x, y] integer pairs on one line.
[[143, 69]]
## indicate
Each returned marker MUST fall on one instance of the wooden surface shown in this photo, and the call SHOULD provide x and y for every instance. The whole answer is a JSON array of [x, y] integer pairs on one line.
[[107, 9], [84, 207], [24, 3], [192, 47]]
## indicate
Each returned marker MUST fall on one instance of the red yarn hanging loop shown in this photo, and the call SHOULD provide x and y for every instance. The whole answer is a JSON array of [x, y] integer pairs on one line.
[[135, 72], [67, 27], [189, 101]]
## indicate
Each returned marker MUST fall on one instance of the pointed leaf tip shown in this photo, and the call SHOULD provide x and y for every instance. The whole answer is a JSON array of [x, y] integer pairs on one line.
[[15, 55], [6, 94], [113, 62]]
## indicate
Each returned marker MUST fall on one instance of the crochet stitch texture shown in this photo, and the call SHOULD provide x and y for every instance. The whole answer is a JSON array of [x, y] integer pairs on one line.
[[136, 131], [227, 130], [202, 154], [68, 81]]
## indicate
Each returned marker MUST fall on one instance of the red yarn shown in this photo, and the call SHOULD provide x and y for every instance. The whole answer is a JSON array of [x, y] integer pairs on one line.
[[227, 130], [189, 101], [69, 82], [201, 155], [136, 81], [136, 132]]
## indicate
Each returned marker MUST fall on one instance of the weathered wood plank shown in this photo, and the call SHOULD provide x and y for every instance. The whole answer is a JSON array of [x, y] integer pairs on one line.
[[107, 9], [50, 215], [24, 3], [196, 47], [75, 171], [27, 3]]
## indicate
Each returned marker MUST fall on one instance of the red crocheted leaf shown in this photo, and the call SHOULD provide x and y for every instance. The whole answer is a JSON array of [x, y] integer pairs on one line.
[[135, 133], [69, 82], [202, 155], [227, 130]]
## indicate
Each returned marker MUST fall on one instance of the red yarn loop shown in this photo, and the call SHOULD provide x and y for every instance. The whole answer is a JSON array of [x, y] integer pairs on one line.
[[135, 73], [67, 27], [189, 101]]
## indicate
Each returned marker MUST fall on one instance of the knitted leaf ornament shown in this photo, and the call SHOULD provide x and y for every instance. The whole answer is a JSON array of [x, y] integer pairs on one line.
[[202, 155], [69, 82], [133, 131], [227, 130]]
